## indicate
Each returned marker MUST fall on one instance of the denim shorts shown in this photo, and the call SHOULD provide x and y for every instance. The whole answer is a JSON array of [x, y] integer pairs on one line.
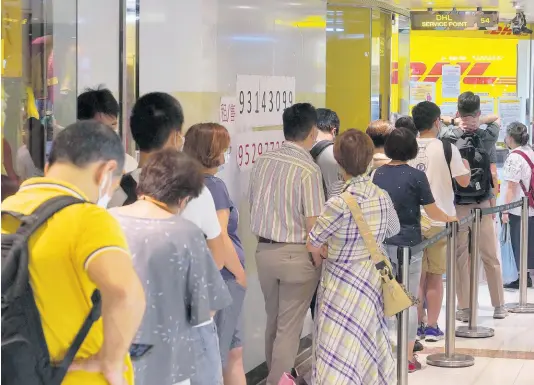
[[208, 368], [414, 277], [229, 321]]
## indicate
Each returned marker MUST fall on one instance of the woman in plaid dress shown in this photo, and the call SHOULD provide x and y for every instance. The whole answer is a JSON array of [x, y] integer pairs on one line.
[[351, 345]]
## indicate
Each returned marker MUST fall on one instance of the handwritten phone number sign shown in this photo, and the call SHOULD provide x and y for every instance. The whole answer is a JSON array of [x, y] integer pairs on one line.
[[261, 100]]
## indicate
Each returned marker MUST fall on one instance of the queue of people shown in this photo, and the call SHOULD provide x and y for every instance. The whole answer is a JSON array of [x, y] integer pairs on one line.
[[158, 239]]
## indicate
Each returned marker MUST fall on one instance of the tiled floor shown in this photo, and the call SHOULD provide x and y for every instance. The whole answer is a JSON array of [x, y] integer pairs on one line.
[[505, 359]]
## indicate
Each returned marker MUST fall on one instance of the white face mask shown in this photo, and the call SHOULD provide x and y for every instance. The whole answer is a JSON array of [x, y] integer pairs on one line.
[[181, 148], [103, 197], [226, 160]]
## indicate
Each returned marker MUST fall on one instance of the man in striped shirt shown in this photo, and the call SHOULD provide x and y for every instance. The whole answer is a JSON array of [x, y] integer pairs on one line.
[[286, 196]]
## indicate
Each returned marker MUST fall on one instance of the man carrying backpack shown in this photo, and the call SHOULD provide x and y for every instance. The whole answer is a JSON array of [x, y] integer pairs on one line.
[[323, 154], [477, 146], [323, 151], [61, 252]]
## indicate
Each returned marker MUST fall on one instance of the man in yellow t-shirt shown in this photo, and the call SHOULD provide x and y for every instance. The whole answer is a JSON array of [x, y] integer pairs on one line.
[[80, 249]]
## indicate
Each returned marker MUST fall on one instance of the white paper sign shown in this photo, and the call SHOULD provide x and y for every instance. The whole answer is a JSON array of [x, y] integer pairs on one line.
[[261, 100], [449, 109], [229, 172], [487, 107], [450, 87], [249, 146], [509, 111]]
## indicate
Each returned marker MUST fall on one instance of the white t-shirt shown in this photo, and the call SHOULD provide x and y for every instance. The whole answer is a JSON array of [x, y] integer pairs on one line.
[[431, 160], [201, 210], [516, 169]]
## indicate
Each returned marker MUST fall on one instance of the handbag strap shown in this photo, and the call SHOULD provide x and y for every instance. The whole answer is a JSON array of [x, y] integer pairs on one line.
[[377, 256]]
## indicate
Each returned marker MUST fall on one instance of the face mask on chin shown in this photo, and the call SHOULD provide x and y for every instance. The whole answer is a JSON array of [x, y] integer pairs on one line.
[[103, 197]]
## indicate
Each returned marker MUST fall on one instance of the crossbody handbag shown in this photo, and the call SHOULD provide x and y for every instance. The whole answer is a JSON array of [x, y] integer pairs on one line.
[[396, 297]]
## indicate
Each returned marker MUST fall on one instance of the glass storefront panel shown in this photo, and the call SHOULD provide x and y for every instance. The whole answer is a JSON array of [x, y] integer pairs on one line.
[[39, 82]]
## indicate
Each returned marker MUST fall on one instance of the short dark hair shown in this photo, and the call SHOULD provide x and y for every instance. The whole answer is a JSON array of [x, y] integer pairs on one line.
[[86, 142], [353, 150], [518, 132], [401, 145], [379, 130], [299, 120], [327, 120], [205, 142], [424, 115], [170, 176], [96, 101], [154, 117], [468, 104], [406, 122]]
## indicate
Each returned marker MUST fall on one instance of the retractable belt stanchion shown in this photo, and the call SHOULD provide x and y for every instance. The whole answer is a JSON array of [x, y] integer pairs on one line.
[[523, 306], [403, 257], [450, 359], [472, 330]]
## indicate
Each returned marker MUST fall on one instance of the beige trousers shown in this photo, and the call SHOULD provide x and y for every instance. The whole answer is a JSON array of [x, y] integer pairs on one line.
[[488, 256], [288, 280]]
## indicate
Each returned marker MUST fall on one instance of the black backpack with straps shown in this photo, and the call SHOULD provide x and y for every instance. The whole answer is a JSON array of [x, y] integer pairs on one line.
[[25, 354], [318, 150]]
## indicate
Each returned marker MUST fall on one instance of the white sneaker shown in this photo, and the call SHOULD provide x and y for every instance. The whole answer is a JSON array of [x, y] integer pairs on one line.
[[500, 312]]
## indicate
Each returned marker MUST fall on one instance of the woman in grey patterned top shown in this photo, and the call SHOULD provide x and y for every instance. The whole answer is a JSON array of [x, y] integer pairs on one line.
[[181, 281]]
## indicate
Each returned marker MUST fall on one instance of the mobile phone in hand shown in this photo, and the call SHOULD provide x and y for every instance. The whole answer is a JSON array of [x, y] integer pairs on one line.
[[137, 351]]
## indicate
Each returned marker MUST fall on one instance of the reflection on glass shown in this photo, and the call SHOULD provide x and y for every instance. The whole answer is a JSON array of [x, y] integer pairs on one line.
[[38, 83]]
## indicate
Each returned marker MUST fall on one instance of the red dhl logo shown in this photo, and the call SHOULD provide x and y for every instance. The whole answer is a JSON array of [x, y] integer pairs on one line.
[[472, 73], [503, 31]]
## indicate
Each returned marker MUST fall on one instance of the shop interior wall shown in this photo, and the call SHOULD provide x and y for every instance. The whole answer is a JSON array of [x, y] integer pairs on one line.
[[195, 49]]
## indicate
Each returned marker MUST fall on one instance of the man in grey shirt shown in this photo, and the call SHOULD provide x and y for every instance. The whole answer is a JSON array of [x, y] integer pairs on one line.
[[323, 151]]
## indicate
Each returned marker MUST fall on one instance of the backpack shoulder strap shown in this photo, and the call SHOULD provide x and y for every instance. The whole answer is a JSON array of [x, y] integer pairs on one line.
[[30, 223], [447, 149], [92, 317], [129, 186], [526, 157], [319, 148], [531, 165]]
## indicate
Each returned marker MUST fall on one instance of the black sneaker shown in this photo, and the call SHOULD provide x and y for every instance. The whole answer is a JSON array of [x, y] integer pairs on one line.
[[418, 347], [515, 285]]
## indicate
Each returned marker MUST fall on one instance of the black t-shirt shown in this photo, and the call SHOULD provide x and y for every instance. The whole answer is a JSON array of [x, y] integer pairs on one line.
[[409, 190]]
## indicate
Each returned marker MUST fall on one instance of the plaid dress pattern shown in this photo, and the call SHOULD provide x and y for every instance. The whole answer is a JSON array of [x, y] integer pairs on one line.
[[351, 344]]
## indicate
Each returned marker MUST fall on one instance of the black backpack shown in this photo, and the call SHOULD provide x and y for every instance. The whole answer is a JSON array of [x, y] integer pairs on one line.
[[25, 355], [479, 190], [318, 150]]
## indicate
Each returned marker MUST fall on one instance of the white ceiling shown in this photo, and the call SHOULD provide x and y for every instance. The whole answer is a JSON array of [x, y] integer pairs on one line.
[[505, 7]]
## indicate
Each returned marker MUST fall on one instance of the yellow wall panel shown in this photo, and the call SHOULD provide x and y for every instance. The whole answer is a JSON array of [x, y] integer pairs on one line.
[[348, 66]]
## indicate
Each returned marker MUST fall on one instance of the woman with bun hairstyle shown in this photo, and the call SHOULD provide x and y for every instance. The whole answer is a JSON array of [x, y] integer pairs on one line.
[[518, 169]]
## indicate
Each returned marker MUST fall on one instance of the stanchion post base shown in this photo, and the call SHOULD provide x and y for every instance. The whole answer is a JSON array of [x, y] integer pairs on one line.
[[453, 361], [475, 332], [527, 308]]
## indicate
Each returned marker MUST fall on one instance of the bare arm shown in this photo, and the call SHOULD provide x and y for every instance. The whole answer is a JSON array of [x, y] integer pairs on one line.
[[218, 250], [231, 259], [435, 213], [463, 180], [315, 253], [123, 304]]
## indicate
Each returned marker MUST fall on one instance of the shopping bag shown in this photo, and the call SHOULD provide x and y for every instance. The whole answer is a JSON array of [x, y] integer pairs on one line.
[[509, 267], [292, 378]]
